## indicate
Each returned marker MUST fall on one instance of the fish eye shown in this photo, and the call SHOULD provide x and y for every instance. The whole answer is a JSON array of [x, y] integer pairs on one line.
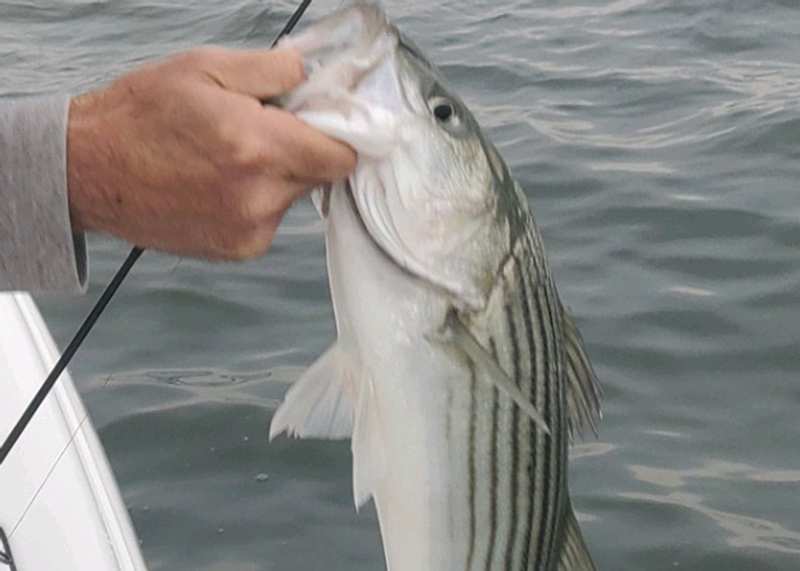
[[443, 109]]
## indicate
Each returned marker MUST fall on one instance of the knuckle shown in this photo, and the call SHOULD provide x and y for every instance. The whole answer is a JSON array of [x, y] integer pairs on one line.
[[246, 213], [253, 244], [208, 57], [236, 215], [287, 189], [241, 151], [310, 166], [295, 189], [242, 233], [268, 207], [246, 208], [231, 245]]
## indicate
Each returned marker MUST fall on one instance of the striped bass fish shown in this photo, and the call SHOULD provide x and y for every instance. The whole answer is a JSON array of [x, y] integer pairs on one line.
[[457, 372]]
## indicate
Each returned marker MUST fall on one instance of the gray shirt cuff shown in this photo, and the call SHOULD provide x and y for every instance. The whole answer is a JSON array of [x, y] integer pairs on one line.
[[39, 252]]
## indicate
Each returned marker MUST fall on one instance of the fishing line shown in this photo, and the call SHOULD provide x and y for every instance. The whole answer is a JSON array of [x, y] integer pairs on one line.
[[6, 558], [301, 9], [100, 306], [75, 432], [69, 353]]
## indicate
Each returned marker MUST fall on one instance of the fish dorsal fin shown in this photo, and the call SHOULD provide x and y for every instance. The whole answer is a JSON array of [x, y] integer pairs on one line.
[[495, 375], [318, 404], [583, 391], [369, 453], [573, 555]]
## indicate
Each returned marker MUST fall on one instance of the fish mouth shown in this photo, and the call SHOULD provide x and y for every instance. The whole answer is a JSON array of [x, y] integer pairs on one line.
[[356, 25], [351, 31], [350, 61]]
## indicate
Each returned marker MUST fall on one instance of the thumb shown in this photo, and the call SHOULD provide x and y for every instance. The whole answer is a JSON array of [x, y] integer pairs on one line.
[[259, 73]]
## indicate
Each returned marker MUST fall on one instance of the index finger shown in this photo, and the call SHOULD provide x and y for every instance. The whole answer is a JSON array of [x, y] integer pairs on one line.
[[305, 153], [258, 73]]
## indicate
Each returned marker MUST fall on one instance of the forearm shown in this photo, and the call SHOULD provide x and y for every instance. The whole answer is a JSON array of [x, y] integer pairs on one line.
[[38, 250]]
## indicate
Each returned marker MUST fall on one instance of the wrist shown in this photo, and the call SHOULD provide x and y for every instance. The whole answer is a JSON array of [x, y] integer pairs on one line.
[[82, 137]]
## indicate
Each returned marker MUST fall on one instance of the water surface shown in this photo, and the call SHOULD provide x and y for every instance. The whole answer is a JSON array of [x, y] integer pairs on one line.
[[659, 144]]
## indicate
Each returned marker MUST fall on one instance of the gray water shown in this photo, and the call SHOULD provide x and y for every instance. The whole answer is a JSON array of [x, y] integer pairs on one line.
[[659, 144]]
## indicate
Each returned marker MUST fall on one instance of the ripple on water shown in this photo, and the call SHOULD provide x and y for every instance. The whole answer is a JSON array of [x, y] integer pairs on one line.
[[658, 143]]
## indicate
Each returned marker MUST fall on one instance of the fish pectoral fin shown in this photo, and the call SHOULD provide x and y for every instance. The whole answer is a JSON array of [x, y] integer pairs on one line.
[[583, 390], [495, 375], [370, 464], [573, 556], [317, 405]]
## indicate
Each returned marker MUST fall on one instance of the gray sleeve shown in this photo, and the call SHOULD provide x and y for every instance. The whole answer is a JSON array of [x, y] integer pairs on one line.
[[39, 252]]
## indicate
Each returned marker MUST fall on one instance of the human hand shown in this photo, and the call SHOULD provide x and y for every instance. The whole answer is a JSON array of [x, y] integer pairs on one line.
[[181, 156]]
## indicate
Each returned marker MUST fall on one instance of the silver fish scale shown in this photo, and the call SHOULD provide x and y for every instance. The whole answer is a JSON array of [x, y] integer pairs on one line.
[[517, 496]]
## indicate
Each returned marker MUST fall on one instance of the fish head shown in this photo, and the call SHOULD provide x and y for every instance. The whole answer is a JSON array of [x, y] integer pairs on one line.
[[429, 187]]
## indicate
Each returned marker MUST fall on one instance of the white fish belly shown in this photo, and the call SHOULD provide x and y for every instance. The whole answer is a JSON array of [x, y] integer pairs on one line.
[[420, 500], [421, 396]]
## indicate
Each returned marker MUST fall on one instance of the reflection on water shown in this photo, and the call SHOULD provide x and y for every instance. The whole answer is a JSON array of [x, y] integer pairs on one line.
[[715, 470], [589, 449], [204, 378], [742, 530]]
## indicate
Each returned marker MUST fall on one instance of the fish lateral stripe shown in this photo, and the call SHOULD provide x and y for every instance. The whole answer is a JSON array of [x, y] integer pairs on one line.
[[551, 467], [526, 429], [516, 364], [471, 470], [536, 361], [493, 476]]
